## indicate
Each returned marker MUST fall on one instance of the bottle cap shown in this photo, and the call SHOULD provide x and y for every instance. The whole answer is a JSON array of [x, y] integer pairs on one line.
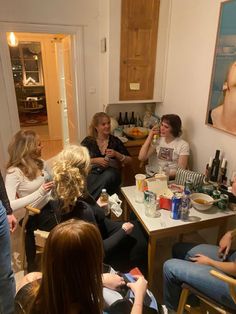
[[104, 190]]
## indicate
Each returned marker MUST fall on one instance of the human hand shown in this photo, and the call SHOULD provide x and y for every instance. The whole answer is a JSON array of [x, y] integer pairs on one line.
[[47, 186], [127, 227], [139, 287], [110, 153], [224, 245], [201, 259], [12, 222], [112, 281], [102, 162]]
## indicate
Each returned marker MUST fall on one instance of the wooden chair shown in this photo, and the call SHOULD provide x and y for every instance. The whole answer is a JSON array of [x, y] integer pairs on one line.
[[211, 306], [40, 235]]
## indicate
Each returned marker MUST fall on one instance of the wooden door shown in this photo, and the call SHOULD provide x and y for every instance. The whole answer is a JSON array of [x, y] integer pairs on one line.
[[139, 25]]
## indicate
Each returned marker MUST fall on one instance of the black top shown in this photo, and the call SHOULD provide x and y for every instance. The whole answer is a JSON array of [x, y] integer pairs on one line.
[[113, 143], [4, 197], [88, 210]]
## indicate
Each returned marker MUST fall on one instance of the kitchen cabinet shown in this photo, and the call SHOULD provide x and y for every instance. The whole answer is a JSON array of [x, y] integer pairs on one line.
[[129, 171], [112, 63], [139, 25]]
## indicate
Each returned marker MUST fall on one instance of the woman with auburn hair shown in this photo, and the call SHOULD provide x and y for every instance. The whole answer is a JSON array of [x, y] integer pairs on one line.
[[72, 274], [171, 151], [27, 184], [125, 244], [107, 153]]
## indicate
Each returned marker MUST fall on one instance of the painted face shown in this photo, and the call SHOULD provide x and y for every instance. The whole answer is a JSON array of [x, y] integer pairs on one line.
[[104, 126], [166, 130]]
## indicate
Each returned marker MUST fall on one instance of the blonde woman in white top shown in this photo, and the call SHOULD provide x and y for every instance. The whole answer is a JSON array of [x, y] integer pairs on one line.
[[28, 183]]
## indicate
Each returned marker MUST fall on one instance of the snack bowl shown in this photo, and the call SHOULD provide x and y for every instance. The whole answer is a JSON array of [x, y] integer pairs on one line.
[[136, 132], [201, 201]]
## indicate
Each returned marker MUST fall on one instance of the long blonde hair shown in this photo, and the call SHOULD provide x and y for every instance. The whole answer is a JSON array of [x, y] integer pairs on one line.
[[95, 121], [72, 270], [70, 172], [23, 153]]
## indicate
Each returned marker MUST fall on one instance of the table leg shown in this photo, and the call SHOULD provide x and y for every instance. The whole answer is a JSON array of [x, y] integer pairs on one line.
[[151, 259], [126, 211]]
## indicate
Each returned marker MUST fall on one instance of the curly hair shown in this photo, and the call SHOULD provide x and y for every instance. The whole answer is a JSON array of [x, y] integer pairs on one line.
[[70, 172], [24, 154], [95, 121]]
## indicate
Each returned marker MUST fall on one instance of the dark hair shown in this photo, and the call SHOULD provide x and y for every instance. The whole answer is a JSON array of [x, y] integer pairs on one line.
[[72, 270], [174, 122]]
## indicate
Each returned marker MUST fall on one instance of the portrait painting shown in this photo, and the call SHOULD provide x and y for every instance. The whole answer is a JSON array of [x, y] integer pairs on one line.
[[221, 110]]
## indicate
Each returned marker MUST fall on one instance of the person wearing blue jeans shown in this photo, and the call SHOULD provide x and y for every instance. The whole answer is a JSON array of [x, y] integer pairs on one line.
[[7, 281], [191, 264]]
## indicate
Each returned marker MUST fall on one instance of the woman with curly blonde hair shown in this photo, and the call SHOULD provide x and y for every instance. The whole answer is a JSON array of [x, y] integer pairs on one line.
[[124, 243], [27, 184]]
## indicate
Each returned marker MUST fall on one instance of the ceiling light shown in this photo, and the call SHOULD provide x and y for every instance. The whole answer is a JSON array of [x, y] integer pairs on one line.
[[12, 40]]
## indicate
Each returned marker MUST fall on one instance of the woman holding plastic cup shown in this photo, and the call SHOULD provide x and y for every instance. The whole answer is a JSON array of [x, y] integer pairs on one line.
[[171, 151]]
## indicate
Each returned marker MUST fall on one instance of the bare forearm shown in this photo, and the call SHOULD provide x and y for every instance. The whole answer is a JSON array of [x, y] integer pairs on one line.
[[146, 149], [138, 305], [226, 267]]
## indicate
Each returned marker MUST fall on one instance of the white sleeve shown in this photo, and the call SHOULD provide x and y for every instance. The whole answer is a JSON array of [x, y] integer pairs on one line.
[[184, 149], [13, 180]]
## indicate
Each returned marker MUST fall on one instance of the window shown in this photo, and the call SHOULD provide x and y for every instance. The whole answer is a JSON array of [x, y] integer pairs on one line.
[[26, 60]]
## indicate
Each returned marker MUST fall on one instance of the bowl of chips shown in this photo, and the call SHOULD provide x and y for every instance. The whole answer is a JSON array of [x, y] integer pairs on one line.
[[136, 132]]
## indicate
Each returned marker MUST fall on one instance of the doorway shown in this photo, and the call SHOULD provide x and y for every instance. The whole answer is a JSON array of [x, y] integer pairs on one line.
[[38, 69], [42, 110]]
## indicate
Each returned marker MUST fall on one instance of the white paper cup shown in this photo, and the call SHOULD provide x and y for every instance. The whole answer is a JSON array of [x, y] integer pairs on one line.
[[139, 179]]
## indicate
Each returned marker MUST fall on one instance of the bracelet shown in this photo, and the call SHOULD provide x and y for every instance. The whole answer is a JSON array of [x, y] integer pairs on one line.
[[122, 158]]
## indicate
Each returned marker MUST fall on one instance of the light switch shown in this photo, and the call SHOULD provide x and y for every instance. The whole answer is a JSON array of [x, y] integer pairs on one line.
[[134, 86]]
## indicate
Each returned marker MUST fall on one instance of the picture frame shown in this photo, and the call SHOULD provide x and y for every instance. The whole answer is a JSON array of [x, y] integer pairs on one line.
[[221, 109]]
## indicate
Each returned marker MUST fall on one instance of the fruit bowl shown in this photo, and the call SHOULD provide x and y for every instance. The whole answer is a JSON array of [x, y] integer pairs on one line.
[[136, 132], [201, 201]]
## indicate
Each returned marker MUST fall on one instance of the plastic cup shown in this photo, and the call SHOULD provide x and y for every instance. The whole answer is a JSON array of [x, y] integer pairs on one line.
[[139, 179]]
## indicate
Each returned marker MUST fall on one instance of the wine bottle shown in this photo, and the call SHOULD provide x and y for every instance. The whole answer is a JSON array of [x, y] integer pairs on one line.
[[120, 120], [215, 167], [126, 120], [138, 121], [132, 121]]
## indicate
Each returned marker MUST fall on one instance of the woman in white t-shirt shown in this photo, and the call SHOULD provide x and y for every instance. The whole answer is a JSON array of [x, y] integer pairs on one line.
[[170, 152], [28, 182]]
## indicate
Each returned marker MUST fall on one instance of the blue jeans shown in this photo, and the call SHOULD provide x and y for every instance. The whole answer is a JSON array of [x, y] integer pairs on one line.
[[180, 269], [7, 281]]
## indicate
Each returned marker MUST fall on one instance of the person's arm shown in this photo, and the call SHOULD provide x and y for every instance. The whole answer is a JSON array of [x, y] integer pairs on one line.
[[112, 281], [4, 197], [226, 242], [226, 267], [12, 183], [123, 158], [146, 149], [5, 201], [139, 289], [183, 161]]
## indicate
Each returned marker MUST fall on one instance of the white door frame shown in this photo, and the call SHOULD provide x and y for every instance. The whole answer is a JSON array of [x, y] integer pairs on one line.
[[77, 52]]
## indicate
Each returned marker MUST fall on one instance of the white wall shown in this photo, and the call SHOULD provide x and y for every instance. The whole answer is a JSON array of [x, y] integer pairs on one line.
[[191, 51], [61, 12]]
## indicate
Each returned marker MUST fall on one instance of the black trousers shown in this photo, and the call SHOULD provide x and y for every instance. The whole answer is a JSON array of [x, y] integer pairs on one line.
[[46, 220], [131, 251], [108, 178]]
